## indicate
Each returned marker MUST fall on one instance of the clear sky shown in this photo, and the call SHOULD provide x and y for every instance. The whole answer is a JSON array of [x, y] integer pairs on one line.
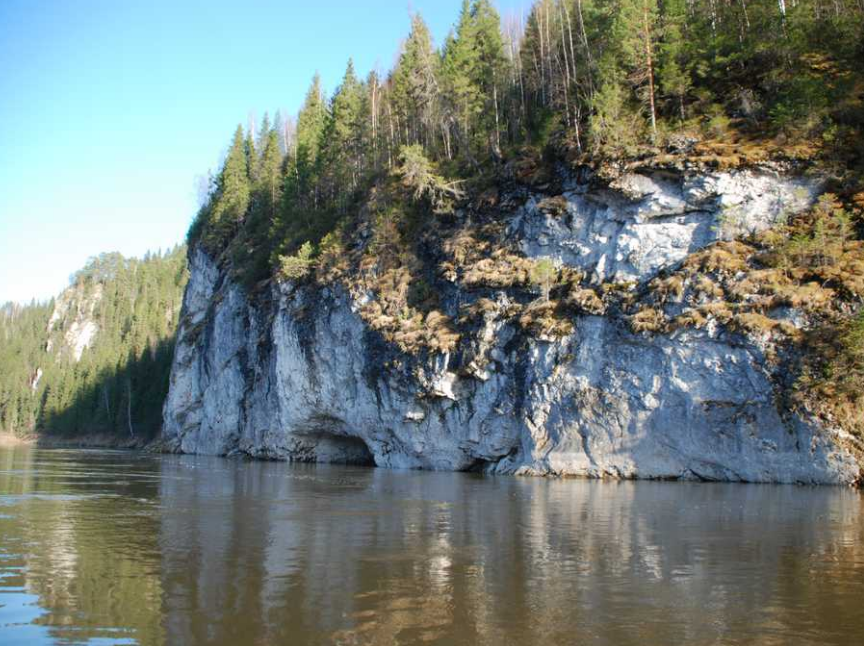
[[110, 109]]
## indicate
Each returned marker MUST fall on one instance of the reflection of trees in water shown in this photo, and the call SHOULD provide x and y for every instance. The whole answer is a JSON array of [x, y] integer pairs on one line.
[[89, 535], [373, 556], [200, 550]]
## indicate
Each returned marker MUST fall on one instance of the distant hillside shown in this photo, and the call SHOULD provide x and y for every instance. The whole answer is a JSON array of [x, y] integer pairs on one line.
[[96, 359]]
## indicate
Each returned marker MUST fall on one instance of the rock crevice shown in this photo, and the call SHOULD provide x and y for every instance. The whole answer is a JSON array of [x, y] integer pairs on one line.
[[299, 375]]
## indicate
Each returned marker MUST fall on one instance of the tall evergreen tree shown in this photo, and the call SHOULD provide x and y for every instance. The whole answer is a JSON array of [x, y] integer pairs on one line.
[[673, 69], [232, 192], [310, 126], [636, 29], [268, 186], [415, 86], [459, 70], [490, 70], [342, 137]]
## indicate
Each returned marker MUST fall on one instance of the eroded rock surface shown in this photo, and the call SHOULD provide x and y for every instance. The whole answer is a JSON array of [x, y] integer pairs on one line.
[[297, 374]]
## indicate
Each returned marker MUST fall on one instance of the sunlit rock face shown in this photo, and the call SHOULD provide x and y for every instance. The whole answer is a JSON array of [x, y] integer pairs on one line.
[[298, 375], [72, 326], [643, 222]]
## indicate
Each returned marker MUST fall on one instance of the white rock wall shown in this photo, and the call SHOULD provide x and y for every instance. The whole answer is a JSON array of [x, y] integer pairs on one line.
[[645, 222], [305, 379]]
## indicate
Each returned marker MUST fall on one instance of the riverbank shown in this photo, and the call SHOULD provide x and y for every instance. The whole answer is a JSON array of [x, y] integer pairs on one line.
[[7, 439], [90, 441]]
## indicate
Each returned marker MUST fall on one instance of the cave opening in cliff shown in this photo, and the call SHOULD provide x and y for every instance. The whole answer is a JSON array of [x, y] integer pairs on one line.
[[342, 449]]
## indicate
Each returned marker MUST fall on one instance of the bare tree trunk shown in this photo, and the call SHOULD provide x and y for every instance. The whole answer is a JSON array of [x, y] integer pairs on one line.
[[542, 55], [392, 136], [567, 77], [129, 405], [570, 38], [782, 6], [548, 46], [497, 124], [713, 18], [650, 65], [373, 116], [746, 14], [107, 403], [584, 36]]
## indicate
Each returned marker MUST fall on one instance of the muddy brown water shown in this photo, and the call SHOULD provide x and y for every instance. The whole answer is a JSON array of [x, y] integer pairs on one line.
[[111, 547]]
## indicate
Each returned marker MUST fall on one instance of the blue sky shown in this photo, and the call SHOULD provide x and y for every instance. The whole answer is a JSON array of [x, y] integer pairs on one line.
[[109, 109]]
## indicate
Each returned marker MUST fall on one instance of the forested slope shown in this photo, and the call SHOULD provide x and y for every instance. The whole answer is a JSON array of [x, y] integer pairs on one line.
[[401, 186], [604, 86], [725, 82], [96, 359]]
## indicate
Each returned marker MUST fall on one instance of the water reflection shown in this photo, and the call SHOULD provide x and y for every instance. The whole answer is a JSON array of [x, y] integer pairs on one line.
[[131, 548]]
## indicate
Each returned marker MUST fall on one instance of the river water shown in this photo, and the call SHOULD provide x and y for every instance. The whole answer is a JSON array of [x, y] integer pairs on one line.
[[109, 547]]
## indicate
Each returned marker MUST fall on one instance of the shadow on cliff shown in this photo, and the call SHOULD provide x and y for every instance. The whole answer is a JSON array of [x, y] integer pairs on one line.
[[119, 406]]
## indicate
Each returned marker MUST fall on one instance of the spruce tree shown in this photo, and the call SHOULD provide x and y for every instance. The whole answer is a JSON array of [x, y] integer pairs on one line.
[[251, 152], [232, 198], [490, 69], [673, 70], [310, 127], [414, 83], [636, 29], [269, 182], [459, 70], [342, 136]]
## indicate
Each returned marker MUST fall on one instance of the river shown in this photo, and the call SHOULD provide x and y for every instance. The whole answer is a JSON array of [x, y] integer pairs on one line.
[[111, 547]]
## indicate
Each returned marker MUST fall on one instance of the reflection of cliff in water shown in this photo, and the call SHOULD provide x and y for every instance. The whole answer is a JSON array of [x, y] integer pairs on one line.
[[184, 550], [269, 552]]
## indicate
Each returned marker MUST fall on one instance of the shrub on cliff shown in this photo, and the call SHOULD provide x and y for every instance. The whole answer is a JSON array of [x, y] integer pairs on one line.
[[543, 275], [420, 176], [297, 266], [832, 379]]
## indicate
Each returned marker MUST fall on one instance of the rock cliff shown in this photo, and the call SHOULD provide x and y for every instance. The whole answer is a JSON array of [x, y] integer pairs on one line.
[[295, 371]]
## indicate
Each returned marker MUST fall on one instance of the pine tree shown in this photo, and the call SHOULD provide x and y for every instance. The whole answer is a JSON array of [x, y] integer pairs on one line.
[[269, 183], [251, 153], [263, 133]]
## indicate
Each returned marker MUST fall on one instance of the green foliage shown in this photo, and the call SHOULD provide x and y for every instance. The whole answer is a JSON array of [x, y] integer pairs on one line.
[[414, 83], [218, 220], [299, 265], [543, 274], [310, 125], [120, 381], [832, 377], [674, 66], [615, 128], [341, 142], [598, 78], [419, 175]]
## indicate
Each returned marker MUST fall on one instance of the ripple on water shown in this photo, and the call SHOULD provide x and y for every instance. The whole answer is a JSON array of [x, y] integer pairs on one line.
[[123, 548]]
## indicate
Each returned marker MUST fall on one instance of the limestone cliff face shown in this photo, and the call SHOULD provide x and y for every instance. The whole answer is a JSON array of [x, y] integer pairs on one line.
[[72, 326], [297, 374]]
